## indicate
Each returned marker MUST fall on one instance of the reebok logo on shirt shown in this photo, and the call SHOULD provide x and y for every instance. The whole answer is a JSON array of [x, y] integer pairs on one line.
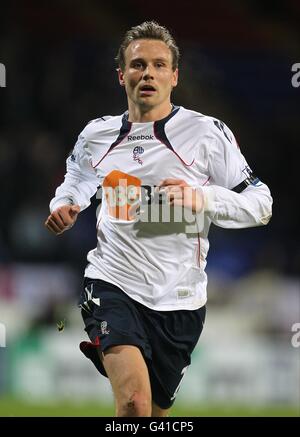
[[140, 137]]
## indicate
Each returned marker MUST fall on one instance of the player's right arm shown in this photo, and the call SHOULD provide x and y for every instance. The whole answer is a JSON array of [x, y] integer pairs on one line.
[[74, 194]]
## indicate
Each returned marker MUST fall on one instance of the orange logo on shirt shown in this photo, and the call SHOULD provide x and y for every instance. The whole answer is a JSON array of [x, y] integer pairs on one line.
[[122, 193]]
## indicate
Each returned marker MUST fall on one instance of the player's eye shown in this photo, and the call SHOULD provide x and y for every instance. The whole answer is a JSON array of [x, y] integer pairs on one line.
[[137, 65]]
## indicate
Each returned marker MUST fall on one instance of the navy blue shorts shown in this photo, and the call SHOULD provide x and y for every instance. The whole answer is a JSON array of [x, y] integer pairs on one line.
[[166, 339]]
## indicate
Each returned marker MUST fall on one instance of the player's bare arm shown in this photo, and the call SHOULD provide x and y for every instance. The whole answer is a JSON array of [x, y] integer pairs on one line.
[[62, 219], [179, 193]]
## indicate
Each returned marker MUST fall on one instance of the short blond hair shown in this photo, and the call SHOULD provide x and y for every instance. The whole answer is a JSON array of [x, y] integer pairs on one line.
[[148, 30]]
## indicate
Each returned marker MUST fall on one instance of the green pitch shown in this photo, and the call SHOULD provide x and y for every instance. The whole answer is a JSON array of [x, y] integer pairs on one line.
[[16, 408]]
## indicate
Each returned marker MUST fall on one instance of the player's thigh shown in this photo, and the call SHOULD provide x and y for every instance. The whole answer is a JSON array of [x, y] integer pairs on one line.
[[126, 370], [159, 412]]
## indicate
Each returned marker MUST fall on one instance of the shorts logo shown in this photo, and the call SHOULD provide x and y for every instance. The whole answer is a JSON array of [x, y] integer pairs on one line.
[[103, 328], [137, 151], [89, 295]]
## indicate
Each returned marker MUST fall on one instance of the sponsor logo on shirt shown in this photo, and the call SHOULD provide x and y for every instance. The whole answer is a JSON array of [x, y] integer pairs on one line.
[[140, 137], [122, 192], [127, 199]]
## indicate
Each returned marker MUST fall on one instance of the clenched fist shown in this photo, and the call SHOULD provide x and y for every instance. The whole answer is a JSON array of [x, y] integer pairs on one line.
[[179, 193], [62, 219]]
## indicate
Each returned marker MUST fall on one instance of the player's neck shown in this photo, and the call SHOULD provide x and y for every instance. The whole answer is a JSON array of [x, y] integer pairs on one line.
[[144, 115]]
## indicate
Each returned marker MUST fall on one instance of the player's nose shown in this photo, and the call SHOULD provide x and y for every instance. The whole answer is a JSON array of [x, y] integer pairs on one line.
[[148, 73]]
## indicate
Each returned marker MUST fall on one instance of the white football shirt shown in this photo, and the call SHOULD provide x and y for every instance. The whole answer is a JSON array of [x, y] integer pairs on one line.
[[145, 247]]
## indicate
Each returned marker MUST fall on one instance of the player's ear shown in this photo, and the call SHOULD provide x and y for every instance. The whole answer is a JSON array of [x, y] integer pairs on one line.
[[121, 77], [175, 78]]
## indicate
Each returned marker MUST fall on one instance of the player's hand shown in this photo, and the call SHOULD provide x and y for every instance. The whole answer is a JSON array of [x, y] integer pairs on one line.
[[179, 193], [62, 219]]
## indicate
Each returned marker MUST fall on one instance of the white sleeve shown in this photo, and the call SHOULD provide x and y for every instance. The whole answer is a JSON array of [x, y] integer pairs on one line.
[[80, 183], [252, 206]]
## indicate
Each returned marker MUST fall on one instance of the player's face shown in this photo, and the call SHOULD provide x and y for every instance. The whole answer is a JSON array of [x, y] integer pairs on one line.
[[148, 76]]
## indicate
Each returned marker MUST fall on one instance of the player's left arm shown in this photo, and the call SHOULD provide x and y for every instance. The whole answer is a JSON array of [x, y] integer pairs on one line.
[[235, 198]]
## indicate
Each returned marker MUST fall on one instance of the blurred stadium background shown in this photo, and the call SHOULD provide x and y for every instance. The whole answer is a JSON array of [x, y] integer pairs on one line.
[[236, 65]]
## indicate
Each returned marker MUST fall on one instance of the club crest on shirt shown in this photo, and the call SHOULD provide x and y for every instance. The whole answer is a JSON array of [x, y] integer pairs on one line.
[[136, 154]]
